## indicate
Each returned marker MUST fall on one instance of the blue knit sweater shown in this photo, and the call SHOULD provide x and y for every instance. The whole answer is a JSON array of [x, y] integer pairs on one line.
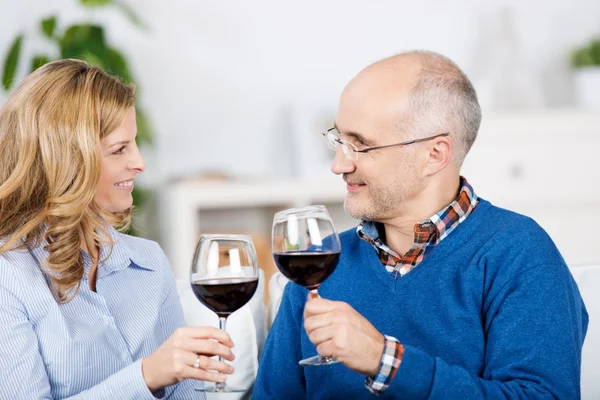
[[491, 313]]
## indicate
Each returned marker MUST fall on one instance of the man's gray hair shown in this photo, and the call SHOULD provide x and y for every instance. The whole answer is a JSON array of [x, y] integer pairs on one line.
[[444, 100]]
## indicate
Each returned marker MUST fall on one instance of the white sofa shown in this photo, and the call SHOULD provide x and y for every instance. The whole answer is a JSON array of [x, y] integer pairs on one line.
[[247, 328], [588, 280]]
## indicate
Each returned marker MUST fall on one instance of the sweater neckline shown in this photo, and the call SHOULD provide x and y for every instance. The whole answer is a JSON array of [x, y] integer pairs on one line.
[[451, 243]]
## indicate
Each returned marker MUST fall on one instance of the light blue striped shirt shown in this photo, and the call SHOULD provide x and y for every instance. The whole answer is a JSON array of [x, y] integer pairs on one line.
[[92, 346]]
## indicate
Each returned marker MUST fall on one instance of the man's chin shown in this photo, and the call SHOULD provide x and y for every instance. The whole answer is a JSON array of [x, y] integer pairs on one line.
[[353, 210]]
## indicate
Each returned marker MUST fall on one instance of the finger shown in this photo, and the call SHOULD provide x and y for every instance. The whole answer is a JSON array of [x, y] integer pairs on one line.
[[205, 332], [209, 348], [334, 312], [208, 363], [322, 335], [202, 375], [327, 349], [316, 321], [320, 306]]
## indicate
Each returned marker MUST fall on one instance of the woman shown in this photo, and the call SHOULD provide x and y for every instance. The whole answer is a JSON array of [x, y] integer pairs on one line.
[[85, 311]]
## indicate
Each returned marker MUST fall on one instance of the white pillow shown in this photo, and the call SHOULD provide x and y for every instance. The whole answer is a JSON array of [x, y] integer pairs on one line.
[[276, 286], [588, 281], [247, 328]]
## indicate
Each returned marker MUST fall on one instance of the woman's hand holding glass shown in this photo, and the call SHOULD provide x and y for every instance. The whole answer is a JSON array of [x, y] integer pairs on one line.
[[187, 354], [224, 277]]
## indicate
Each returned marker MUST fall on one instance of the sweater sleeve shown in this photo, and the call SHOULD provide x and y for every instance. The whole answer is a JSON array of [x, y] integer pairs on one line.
[[535, 325], [279, 375]]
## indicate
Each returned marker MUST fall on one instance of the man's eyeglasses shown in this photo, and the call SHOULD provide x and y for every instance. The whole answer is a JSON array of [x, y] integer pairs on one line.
[[351, 151]]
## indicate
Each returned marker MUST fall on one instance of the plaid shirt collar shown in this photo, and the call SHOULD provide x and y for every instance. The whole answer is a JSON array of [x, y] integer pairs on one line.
[[428, 232]]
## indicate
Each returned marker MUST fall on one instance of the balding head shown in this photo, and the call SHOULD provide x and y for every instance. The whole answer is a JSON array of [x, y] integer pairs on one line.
[[426, 93]]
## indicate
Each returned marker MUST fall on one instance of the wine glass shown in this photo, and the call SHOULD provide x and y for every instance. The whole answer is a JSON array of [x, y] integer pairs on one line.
[[224, 277], [306, 249]]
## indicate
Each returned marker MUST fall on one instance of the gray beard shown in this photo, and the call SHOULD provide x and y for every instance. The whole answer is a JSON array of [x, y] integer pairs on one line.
[[381, 202]]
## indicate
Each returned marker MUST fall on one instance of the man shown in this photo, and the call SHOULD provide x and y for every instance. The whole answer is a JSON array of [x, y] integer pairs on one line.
[[438, 293]]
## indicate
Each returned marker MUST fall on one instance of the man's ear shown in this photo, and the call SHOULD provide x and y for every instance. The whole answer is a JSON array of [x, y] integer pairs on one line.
[[439, 155]]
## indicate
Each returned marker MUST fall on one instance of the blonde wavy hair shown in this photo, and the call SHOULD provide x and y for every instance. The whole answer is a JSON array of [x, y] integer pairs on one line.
[[50, 132]]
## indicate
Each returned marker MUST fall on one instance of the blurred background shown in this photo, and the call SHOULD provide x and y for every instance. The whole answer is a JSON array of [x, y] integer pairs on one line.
[[233, 97]]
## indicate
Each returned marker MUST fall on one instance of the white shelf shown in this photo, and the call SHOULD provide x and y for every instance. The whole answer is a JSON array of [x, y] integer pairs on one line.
[[184, 203], [216, 195]]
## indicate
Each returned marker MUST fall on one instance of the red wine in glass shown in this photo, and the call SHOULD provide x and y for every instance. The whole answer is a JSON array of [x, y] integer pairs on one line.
[[307, 268], [306, 249], [225, 295], [224, 277]]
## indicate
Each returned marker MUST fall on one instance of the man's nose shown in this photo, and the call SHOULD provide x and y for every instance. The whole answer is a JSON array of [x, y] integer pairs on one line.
[[341, 164]]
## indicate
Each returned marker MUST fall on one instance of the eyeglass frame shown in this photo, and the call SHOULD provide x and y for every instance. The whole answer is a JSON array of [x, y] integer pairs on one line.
[[356, 150]]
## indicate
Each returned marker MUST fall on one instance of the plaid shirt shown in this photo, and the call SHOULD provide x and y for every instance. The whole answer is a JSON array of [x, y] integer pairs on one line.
[[428, 233]]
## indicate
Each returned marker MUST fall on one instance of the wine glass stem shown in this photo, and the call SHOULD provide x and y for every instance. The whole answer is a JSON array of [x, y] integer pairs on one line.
[[220, 386], [314, 294]]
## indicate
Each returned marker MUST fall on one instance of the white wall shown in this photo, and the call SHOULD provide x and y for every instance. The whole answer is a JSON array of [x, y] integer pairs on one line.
[[220, 75]]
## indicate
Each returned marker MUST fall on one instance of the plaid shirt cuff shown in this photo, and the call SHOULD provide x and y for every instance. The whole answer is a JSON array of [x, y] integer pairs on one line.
[[390, 361]]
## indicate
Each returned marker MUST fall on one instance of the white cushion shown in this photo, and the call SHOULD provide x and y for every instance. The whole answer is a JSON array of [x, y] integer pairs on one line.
[[247, 328], [588, 280], [276, 285]]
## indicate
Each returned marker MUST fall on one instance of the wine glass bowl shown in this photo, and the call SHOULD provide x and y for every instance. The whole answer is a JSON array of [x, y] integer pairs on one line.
[[224, 277], [306, 249]]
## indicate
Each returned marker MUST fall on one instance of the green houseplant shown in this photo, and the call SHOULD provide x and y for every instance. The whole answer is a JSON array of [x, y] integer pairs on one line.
[[585, 61], [586, 56], [85, 41]]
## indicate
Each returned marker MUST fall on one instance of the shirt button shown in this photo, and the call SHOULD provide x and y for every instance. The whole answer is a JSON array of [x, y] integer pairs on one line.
[[402, 271], [107, 320], [125, 356]]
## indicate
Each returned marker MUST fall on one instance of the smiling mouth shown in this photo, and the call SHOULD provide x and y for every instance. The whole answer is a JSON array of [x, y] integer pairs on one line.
[[128, 183], [354, 187], [354, 183]]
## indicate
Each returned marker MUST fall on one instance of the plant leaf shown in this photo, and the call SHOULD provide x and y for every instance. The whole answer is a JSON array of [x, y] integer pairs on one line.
[[143, 127], [83, 40], [38, 61], [92, 59], [48, 25], [595, 51], [139, 195], [11, 63], [130, 14], [95, 3], [582, 58], [115, 63]]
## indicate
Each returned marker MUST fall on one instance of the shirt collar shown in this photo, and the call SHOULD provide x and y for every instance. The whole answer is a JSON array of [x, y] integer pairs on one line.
[[124, 254], [368, 229], [450, 217], [444, 221]]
